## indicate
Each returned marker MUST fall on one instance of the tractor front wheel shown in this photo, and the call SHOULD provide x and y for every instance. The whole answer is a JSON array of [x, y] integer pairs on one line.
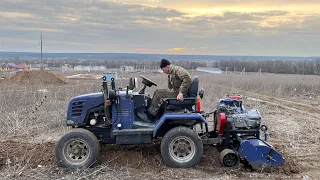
[[77, 149], [181, 147]]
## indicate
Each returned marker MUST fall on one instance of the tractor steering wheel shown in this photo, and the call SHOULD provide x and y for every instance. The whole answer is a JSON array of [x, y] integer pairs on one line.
[[147, 81]]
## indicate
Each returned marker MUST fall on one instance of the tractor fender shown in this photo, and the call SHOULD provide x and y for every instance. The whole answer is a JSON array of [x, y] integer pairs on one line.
[[178, 116]]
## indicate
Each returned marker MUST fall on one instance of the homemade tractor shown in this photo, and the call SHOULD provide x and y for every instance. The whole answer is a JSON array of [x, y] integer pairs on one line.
[[109, 117]]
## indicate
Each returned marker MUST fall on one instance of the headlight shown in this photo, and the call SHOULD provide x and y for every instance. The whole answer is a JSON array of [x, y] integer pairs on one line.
[[70, 122], [263, 128]]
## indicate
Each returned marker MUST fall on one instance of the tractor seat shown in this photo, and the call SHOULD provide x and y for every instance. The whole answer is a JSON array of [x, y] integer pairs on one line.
[[193, 89], [186, 103]]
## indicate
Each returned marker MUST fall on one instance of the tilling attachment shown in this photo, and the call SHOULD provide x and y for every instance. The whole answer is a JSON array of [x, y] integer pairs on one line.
[[259, 153]]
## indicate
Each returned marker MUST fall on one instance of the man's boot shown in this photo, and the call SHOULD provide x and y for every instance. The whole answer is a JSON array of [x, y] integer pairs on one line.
[[152, 111], [143, 116]]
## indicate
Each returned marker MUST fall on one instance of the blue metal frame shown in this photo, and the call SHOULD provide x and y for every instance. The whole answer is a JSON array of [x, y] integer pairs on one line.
[[175, 116], [126, 114]]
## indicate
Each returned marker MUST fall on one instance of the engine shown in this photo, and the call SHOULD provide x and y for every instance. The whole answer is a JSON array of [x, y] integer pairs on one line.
[[248, 120], [235, 113]]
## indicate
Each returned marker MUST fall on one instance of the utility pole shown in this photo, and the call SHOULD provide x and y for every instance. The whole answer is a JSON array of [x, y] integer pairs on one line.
[[259, 72], [41, 54], [243, 71]]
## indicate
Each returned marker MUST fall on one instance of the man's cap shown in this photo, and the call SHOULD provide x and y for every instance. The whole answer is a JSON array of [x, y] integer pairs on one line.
[[164, 63]]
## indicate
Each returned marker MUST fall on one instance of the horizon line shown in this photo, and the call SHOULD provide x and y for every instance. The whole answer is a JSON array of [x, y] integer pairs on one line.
[[156, 54]]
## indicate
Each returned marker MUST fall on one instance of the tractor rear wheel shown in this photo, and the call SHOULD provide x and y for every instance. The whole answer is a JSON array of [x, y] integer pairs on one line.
[[181, 147], [77, 149]]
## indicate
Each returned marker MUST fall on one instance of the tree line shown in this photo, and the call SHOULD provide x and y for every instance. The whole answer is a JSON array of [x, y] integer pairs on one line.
[[307, 67]]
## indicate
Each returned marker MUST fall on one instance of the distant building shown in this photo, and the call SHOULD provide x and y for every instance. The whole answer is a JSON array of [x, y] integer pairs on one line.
[[21, 67], [3, 66], [98, 68], [11, 65], [88, 68], [210, 70], [66, 67], [81, 68], [38, 67], [127, 68], [35, 66]]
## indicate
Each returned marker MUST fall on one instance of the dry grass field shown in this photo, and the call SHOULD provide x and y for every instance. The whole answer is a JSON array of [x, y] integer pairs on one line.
[[33, 112]]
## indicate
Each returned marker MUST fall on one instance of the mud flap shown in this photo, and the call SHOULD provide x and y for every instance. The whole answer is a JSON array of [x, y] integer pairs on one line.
[[259, 154]]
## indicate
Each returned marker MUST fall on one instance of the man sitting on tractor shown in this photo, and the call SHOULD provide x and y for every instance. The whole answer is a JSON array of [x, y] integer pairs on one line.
[[179, 81]]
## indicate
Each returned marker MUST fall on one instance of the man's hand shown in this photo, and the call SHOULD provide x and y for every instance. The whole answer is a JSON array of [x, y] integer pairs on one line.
[[180, 96]]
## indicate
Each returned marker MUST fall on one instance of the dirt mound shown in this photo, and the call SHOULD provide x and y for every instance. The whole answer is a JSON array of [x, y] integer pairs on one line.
[[37, 77]]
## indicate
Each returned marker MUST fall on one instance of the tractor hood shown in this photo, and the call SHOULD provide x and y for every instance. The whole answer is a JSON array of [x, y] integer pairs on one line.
[[79, 106], [89, 97]]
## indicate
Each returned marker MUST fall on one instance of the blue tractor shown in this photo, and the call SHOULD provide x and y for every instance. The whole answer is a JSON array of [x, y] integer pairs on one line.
[[109, 117]]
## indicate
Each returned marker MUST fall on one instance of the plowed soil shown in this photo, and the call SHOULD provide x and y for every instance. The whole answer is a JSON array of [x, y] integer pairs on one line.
[[143, 159]]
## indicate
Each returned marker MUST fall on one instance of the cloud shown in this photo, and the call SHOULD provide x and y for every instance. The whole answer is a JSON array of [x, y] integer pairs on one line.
[[147, 26], [146, 50], [176, 50], [214, 6], [183, 50], [15, 15]]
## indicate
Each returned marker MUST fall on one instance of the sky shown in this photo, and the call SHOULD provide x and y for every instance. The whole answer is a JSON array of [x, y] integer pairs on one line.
[[202, 27]]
